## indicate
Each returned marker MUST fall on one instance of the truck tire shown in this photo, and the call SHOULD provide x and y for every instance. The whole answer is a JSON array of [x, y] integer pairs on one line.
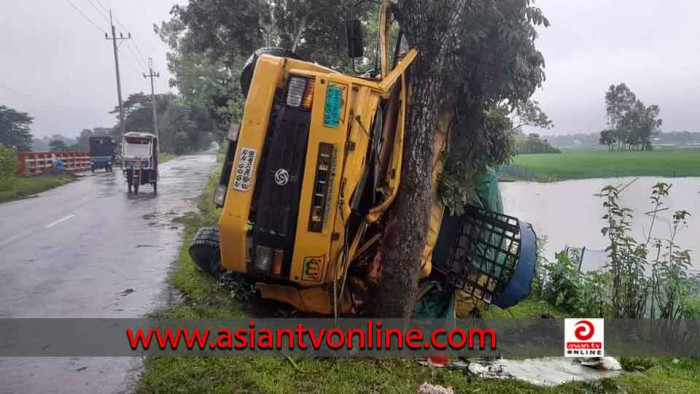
[[205, 251], [249, 67]]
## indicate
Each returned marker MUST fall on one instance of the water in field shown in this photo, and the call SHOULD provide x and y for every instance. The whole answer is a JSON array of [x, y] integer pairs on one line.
[[569, 214]]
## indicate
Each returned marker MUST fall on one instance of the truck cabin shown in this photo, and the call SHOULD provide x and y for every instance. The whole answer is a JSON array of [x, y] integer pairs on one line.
[[101, 147]]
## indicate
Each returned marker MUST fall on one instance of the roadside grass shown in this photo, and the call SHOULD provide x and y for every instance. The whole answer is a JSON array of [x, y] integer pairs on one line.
[[27, 186], [550, 167], [165, 157], [528, 308], [204, 297]]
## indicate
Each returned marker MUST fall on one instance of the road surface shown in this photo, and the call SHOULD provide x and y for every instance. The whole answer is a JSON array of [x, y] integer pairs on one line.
[[89, 249]]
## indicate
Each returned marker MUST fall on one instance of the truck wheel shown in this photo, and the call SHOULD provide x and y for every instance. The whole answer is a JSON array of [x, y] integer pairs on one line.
[[205, 250], [249, 67]]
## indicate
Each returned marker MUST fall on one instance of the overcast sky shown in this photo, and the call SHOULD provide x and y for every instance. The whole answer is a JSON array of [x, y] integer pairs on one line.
[[58, 66]]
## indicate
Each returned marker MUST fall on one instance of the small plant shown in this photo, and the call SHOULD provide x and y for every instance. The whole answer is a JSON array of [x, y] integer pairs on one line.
[[8, 168], [563, 282], [627, 257], [630, 285], [672, 284]]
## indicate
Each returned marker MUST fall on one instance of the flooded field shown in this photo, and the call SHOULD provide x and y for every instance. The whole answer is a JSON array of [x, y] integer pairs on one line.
[[569, 214]]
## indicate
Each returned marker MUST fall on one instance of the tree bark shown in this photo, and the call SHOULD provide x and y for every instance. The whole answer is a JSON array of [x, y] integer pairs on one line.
[[405, 238]]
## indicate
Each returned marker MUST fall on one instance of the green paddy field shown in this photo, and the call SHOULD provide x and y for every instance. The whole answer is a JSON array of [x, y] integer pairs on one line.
[[550, 167]]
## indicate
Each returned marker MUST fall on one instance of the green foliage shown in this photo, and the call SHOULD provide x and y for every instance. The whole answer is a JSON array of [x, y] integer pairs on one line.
[[179, 130], [8, 167], [529, 113], [563, 282], [14, 129], [533, 144], [28, 186], [467, 159], [493, 69], [631, 285], [182, 128], [671, 283], [210, 41], [627, 257], [691, 309], [58, 146], [632, 123]]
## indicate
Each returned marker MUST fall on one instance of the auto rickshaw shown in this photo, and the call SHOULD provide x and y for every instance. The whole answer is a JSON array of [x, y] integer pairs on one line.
[[140, 160], [101, 153]]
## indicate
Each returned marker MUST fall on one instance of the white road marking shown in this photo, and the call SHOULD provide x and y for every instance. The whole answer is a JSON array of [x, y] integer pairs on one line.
[[12, 238], [61, 220]]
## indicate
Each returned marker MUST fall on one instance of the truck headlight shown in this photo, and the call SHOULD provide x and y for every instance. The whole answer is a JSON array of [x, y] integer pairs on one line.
[[300, 92], [219, 196], [263, 258]]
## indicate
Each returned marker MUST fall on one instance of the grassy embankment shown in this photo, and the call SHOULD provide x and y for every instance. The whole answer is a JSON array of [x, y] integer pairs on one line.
[[204, 297], [27, 186], [164, 157], [581, 165]]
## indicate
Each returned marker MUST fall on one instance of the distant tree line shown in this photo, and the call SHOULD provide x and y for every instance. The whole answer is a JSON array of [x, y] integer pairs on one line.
[[631, 123], [533, 143], [183, 128]]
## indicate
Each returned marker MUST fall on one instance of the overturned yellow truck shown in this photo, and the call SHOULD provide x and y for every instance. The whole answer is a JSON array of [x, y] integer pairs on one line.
[[309, 175]]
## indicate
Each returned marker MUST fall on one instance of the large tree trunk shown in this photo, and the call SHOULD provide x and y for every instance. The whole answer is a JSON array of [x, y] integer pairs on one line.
[[404, 240]]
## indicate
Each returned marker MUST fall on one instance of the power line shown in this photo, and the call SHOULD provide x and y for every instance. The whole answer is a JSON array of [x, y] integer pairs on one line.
[[135, 55], [105, 9], [136, 45], [134, 66], [98, 11], [86, 17], [124, 27], [139, 58], [114, 39]]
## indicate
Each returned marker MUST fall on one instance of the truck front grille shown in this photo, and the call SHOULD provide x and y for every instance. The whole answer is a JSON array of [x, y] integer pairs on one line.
[[279, 182]]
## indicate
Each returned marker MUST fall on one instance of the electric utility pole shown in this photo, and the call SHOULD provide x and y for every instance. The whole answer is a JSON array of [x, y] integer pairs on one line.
[[114, 39], [152, 75]]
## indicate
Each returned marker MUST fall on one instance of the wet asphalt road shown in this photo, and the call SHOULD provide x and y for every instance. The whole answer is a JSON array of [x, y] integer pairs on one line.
[[89, 249]]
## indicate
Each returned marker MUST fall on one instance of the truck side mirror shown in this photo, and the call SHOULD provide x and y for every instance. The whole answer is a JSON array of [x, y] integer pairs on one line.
[[353, 32]]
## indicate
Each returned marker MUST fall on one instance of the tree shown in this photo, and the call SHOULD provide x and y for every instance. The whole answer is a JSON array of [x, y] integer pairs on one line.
[[631, 122], [182, 128], [83, 142], [534, 144], [178, 136], [529, 113], [14, 129], [477, 62], [607, 137], [57, 146]]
